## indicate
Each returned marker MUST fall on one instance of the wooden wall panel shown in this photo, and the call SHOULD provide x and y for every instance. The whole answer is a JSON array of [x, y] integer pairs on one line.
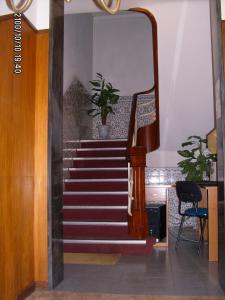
[[18, 167], [41, 138], [17, 164]]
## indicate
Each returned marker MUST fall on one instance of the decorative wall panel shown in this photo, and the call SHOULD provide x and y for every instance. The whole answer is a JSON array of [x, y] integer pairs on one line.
[[168, 176], [119, 121], [76, 122]]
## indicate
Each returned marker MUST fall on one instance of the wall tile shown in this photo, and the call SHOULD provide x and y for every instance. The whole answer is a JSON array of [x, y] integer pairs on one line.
[[76, 122], [168, 176], [120, 120]]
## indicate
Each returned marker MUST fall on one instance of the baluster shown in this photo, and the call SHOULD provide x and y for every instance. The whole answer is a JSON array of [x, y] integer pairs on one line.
[[138, 226]]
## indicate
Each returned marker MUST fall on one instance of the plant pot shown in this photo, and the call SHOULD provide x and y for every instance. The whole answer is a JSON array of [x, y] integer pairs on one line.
[[104, 131]]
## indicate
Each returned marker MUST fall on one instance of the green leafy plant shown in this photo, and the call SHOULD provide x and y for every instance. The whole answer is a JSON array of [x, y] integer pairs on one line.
[[104, 97], [197, 163]]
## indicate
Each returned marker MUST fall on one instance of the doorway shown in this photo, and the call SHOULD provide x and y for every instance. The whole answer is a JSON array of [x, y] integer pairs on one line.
[[59, 190]]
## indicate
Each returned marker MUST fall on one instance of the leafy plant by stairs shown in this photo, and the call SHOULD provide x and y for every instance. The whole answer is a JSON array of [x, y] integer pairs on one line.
[[197, 163], [104, 97]]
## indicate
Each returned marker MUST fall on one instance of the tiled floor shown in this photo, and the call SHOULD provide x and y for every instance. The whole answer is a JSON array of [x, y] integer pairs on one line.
[[40, 295], [163, 272]]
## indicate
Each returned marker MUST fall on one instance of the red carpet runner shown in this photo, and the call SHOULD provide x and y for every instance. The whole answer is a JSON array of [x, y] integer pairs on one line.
[[96, 198]]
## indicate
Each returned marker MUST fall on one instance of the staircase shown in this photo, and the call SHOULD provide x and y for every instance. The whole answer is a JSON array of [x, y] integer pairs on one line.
[[96, 199]]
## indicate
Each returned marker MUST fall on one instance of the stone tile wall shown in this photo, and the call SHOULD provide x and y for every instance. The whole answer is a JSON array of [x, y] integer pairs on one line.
[[76, 122], [168, 176], [120, 120]]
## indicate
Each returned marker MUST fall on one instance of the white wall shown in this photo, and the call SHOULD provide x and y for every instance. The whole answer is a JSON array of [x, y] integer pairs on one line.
[[38, 13], [122, 51], [185, 72], [73, 7], [223, 9], [185, 75], [78, 49]]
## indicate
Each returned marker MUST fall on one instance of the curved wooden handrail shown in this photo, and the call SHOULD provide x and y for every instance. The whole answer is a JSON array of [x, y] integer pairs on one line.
[[147, 140], [147, 136], [133, 115]]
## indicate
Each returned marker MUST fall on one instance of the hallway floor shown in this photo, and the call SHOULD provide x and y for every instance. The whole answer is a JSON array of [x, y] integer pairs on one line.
[[163, 272]]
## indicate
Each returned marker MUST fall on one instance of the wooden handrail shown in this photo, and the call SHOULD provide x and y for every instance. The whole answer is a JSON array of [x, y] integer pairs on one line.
[[133, 116], [147, 140]]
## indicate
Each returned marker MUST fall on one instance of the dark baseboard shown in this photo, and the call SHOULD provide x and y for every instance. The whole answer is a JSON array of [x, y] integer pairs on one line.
[[43, 285], [26, 292]]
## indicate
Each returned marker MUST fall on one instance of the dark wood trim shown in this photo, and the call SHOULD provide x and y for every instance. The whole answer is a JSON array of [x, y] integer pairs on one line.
[[31, 288], [149, 136], [26, 292], [41, 284], [132, 117], [138, 226], [152, 20]]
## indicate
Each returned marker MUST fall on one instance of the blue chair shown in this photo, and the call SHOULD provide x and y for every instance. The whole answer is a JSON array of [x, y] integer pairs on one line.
[[189, 192]]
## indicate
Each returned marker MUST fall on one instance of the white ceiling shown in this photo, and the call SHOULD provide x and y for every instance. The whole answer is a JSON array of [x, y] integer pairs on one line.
[[86, 6]]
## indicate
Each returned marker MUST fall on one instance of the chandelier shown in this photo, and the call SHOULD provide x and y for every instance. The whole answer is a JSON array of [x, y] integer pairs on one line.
[[23, 5], [111, 11]]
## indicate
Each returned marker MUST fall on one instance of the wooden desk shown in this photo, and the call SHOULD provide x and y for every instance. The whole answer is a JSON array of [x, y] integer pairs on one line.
[[158, 193], [211, 201]]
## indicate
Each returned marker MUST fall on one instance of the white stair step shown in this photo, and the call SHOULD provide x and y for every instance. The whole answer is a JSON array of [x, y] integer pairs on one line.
[[108, 242], [96, 149], [122, 207], [96, 193], [95, 169], [95, 158], [94, 141], [97, 180], [96, 223]]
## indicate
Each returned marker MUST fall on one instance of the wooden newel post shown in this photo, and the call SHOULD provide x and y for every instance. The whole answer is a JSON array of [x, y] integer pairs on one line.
[[138, 224]]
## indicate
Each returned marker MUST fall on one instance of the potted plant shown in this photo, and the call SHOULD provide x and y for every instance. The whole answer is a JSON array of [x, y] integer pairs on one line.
[[104, 97], [198, 160]]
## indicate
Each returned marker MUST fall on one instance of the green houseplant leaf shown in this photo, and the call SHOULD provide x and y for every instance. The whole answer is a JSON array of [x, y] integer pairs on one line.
[[197, 163], [185, 153], [104, 97]]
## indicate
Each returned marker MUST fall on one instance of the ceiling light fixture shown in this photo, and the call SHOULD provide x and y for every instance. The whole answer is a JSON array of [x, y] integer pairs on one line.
[[23, 5], [107, 7]]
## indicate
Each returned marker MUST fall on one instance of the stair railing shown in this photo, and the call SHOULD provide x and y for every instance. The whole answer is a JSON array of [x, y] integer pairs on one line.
[[130, 189], [140, 141]]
